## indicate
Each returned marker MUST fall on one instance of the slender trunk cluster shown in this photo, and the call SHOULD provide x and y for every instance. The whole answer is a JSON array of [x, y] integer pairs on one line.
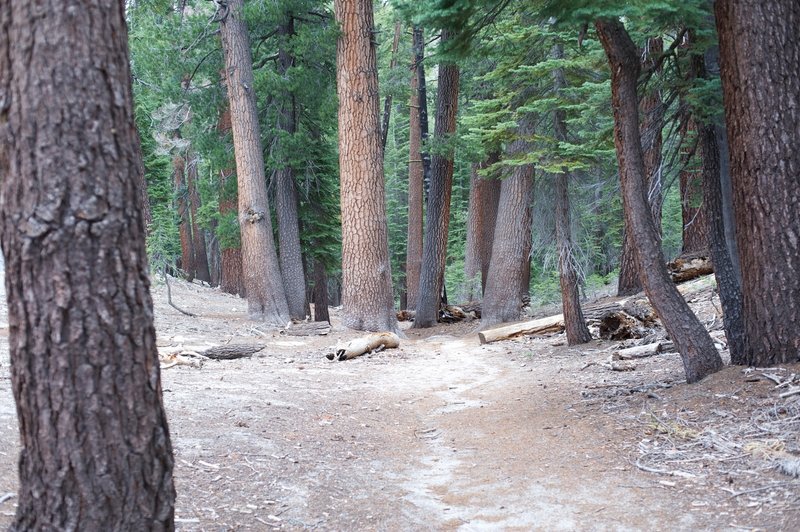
[[699, 355], [418, 169], [434, 252]]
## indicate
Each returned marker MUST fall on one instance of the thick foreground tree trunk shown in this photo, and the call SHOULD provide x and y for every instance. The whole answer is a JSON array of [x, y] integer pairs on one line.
[[759, 55], [366, 273], [96, 451], [700, 357], [437, 218], [266, 299], [511, 247], [484, 195]]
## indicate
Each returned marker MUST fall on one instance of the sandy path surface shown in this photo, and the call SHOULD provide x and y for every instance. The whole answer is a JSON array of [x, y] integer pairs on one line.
[[440, 434]]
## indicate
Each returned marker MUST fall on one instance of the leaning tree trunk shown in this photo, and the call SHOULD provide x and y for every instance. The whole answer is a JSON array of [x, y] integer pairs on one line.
[[505, 282], [416, 171], [652, 109], [759, 54], [700, 357], [366, 273], [96, 451], [266, 299], [286, 205], [484, 195], [574, 324], [437, 217]]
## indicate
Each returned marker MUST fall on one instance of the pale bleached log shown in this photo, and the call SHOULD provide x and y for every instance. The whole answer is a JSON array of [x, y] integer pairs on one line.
[[550, 324], [365, 344]]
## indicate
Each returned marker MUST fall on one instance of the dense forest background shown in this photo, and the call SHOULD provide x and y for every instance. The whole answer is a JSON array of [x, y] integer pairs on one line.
[[506, 73]]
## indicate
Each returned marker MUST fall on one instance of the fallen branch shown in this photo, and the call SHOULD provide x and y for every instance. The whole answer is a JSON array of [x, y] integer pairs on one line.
[[169, 298], [372, 343], [312, 328], [639, 351]]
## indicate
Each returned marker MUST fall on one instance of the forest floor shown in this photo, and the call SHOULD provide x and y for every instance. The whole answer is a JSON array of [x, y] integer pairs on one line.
[[446, 434]]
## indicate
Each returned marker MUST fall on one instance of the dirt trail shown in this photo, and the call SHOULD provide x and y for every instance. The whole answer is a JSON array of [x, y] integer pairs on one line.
[[441, 434]]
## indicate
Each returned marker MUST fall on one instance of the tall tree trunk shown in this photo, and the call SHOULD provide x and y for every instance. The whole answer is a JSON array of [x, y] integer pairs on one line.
[[416, 174], [96, 451], [694, 233], [320, 292], [759, 53], [484, 195], [366, 271], [286, 205], [199, 252], [266, 299], [574, 324], [652, 109], [700, 357], [230, 277], [387, 102], [434, 248], [184, 223], [506, 280]]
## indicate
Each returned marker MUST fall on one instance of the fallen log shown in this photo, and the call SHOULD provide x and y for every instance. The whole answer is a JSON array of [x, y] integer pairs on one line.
[[639, 351], [311, 328], [366, 344], [550, 324], [231, 352], [690, 266], [406, 315]]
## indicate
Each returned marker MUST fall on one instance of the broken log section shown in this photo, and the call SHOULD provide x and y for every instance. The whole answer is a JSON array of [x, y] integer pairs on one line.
[[690, 266], [448, 313], [311, 328], [366, 344], [550, 324], [639, 351]]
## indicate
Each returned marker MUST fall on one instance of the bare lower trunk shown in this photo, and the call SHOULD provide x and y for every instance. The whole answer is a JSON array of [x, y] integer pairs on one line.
[[199, 252], [484, 194], [320, 292], [652, 109], [366, 273], [416, 173], [759, 51], [506, 280], [575, 325], [694, 234], [434, 249], [700, 357], [95, 447], [266, 299]]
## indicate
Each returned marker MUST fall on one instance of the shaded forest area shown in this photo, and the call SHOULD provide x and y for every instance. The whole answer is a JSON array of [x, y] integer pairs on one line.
[[362, 164]]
